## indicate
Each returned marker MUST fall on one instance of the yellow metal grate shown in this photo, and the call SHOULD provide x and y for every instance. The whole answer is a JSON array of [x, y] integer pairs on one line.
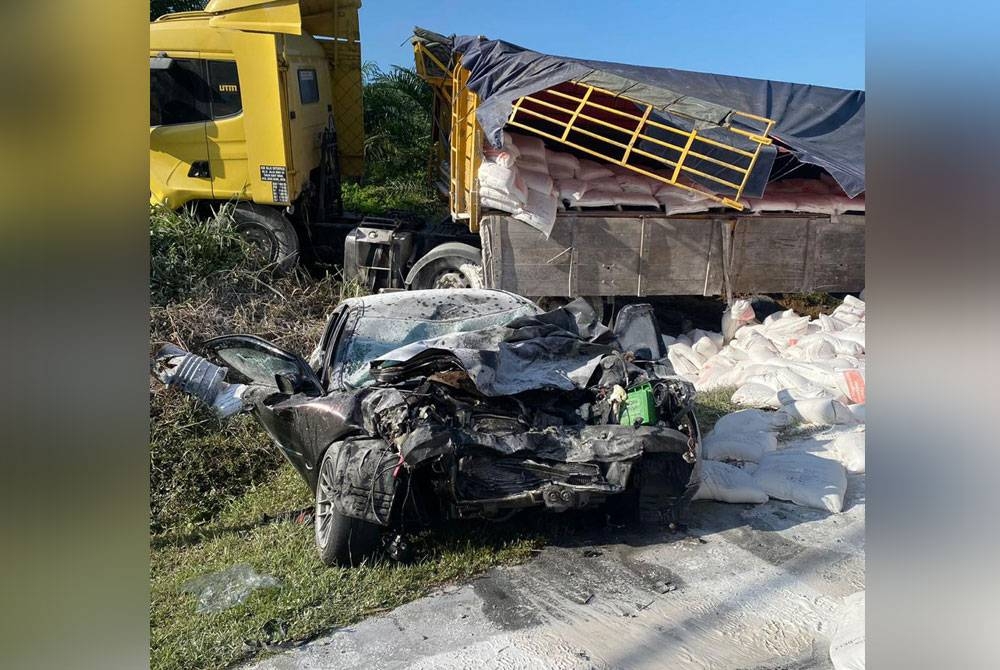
[[612, 127]]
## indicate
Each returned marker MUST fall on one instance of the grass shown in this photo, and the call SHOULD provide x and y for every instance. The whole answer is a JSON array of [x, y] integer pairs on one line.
[[410, 195], [312, 598], [252, 528], [710, 406]]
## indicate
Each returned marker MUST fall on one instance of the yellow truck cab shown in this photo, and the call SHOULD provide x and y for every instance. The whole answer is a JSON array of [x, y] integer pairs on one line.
[[257, 102]]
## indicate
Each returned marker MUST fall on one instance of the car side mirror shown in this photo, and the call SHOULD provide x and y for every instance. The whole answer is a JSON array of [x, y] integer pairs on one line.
[[288, 383]]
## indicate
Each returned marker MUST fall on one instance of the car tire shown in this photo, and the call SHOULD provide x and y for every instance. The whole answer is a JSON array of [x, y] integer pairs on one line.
[[341, 540], [270, 232]]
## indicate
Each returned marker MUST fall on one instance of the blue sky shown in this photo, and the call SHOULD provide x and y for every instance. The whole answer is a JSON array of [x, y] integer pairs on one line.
[[806, 41]]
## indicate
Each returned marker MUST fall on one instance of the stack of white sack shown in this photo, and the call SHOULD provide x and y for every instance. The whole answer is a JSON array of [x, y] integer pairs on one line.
[[532, 182], [813, 369], [515, 179], [742, 461], [730, 454]]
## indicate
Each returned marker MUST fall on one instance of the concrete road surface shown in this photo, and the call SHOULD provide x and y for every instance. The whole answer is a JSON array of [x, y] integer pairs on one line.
[[748, 587]]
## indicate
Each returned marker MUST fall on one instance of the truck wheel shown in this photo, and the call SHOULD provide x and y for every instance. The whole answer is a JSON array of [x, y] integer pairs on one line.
[[450, 272], [341, 540], [269, 232]]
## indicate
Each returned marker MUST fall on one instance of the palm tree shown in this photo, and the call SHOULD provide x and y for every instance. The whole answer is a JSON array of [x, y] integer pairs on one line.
[[397, 122]]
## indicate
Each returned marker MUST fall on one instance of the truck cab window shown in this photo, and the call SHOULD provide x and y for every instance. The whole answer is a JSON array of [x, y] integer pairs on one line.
[[179, 94], [308, 87], [225, 83]]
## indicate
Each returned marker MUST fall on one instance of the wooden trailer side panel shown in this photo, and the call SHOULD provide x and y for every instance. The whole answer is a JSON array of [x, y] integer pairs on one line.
[[638, 255]]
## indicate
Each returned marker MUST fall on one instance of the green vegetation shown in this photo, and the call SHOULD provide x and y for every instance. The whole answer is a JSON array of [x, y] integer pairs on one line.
[[221, 495], [397, 124], [811, 304], [312, 598], [399, 195], [397, 147], [710, 406]]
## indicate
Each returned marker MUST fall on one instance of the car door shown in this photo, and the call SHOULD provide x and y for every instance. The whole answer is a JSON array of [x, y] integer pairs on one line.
[[289, 395]]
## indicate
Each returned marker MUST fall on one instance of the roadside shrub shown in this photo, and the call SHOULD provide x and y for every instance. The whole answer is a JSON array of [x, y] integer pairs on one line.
[[201, 286], [186, 252]]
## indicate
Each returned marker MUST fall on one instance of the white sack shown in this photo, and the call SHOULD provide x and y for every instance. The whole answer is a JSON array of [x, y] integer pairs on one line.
[[755, 395], [589, 170], [493, 175], [571, 189], [858, 411], [533, 164], [681, 364], [539, 211], [751, 420], [606, 184], [804, 479], [850, 448], [730, 446], [819, 411], [635, 183], [847, 646], [735, 317], [688, 352], [851, 382], [493, 199], [530, 147], [698, 333], [561, 172], [728, 483], [596, 198], [705, 346], [628, 199], [536, 181], [506, 157], [562, 160]]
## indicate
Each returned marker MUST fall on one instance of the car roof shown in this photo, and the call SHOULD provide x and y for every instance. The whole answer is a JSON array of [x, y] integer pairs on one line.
[[438, 304]]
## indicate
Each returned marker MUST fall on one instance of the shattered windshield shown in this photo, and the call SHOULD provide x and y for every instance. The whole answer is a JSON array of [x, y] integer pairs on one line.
[[375, 336]]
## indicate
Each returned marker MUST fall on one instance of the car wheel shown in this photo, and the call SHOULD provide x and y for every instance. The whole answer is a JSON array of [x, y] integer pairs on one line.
[[341, 540], [269, 233]]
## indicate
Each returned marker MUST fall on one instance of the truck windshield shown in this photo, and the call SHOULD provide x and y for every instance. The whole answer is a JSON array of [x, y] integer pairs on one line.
[[374, 336]]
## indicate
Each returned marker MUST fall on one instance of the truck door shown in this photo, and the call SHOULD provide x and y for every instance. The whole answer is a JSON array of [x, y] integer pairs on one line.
[[180, 108], [227, 142]]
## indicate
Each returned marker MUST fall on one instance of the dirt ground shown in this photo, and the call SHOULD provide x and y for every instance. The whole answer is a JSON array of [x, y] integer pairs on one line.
[[749, 587]]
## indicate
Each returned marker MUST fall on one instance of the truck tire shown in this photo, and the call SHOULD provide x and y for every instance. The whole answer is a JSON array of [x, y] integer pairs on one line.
[[341, 540], [267, 230], [448, 265], [450, 272]]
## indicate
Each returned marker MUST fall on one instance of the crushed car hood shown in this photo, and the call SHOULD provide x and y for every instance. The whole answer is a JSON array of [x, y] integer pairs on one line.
[[560, 349]]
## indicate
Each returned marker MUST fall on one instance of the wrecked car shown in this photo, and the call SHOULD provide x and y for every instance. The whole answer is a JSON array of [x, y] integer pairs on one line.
[[432, 405]]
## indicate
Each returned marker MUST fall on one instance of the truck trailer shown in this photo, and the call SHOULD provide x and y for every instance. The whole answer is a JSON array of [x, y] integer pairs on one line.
[[747, 186]]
